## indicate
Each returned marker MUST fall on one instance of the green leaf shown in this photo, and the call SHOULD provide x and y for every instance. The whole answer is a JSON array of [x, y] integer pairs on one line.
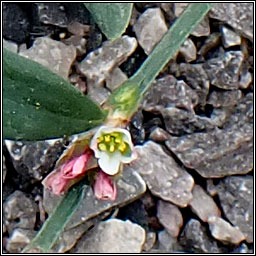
[[57, 221], [124, 102], [38, 104], [111, 18]]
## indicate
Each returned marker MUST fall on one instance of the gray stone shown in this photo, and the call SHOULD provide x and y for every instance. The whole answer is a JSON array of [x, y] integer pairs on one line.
[[52, 54], [77, 41], [188, 50], [150, 241], [33, 160], [229, 37], [236, 198], [115, 79], [163, 176], [175, 101], [76, 80], [170, 217], [52, 13], [99, 64], [4, 169], [150, 28], [113, 236], [167, 243], [69, 238], [223, 71], [76, 28], [237, 15], [18, 239], [245, 79], [194, 238], [130, 186], [197, 79], [219, 116], [243, 248], [168, 9], [19, 211], [203, 28], [158, 135], [203, 205], [97, 93], [179, 8], [211, 188], [11, 46], [224, 98], [220, 152], [224, 232], [169, 92]]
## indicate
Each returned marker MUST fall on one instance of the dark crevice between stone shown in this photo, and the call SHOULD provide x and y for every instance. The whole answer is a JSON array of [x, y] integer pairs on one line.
[[133, 63], [9, 185]]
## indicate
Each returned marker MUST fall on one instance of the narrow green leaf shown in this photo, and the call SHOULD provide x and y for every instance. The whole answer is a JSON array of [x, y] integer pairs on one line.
[[126, 99], [38, 104], [111, 18], [57, 221]]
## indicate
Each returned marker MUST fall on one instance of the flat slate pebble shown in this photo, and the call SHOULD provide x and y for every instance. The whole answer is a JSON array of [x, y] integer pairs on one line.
[[220, 152], [236, 199], [203, 205], [163, 176], [98, 64], [113, 236], [194, 238], [33, 160], [170, 217], [223, 71], [150, 28], [224, 232], [52, 54], [237, 15]]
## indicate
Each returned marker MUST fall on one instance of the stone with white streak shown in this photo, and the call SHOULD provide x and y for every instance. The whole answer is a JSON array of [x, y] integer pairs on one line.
[[98, 64], [150, 28], [224, 232], [163, 176], [203, 205], [52, 54], [113, 236]]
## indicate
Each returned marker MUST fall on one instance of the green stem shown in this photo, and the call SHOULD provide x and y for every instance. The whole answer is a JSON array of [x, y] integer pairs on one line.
[[56, 223], [124, 102]]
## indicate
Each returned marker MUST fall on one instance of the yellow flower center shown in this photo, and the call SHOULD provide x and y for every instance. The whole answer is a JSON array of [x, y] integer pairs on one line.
[[111, 142]]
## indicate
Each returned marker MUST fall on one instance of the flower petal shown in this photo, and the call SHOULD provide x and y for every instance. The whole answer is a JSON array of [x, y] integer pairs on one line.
[[55, 182], [80, 165], [104, 188], [109, 163]]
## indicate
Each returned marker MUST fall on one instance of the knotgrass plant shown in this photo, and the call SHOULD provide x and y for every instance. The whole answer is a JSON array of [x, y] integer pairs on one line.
[[38, 104]]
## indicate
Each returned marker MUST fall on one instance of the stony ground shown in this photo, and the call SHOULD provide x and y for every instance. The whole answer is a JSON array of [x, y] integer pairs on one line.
[[191, 188]]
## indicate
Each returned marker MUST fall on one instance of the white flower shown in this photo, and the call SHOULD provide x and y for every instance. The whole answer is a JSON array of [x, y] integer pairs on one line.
[[112, 146]]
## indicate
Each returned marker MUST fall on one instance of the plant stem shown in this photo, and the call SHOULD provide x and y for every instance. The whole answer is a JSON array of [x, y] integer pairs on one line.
[[124, 102]]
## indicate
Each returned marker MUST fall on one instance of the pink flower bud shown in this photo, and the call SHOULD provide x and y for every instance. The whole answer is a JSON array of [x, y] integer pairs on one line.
[[55, 182], [76, 166], [104, 187], [65, 176]]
